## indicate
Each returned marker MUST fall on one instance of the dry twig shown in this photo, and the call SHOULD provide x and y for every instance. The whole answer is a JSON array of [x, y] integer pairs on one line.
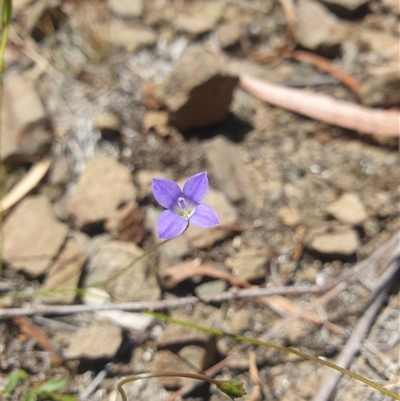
[[372, 261], [254, 378], [42, 340], [325, 108], [363, 325], [30, 180]]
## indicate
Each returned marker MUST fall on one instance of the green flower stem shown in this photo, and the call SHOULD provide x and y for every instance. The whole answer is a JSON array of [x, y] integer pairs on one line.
[[5, 20], [227, 386], [220, 333]]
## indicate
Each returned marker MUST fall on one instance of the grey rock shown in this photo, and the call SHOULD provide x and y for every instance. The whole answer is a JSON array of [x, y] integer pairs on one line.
[[198, 90], [138, 283], [66, 271], [224, 160], [340, 243], [377, 41], [26, 132], [189, 359], [317, 29], [127, 8], [288, 216], [227, 214], [98, 341], [127, 224], [60, 171], [129, 38], [32, 236], [104, 186], [156, 121], [211, 288], [238, 321], [228, 35], [381, 88], [200, 17], [348, 209], [176, 336], [144, 180], [392, 5], [249, 264]]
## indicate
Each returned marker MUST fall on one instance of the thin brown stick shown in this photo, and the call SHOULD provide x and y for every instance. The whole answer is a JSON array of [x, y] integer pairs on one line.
[[326, 65], [160, 305], [222, 297], [254, 378], [28, 182], [42, 340], [342, 284], [325, 108]]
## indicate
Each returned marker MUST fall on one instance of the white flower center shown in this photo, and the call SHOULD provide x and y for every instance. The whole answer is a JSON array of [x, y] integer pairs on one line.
[[184, 208]]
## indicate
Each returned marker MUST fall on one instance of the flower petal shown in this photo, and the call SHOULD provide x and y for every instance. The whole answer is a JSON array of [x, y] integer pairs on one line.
[[166, 192], [204, 216], [196, 187], [170, 225]]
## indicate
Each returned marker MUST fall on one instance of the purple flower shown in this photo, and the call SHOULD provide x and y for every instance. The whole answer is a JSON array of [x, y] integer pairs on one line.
[[183, 205]]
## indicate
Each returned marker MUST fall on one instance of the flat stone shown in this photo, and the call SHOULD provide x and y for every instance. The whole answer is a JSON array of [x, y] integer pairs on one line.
[[348, 209], [66, 271], [156, 121], [177, 336], [126, 8], [144, 181], [211, 288], [198, 90], [199, 17], [228, 34], [378, 41], [381, 86], [346, 8], [32, 236], [224, 160], [150, 95], [104, 187], [60, 171], [392, 5], [100, 340], [248, 264], [26, 132], [340, 243], [317, 29], [127, 224], [288, 216], [238, 321], [185, 361], [138, 283], [129, 38], [227, 214]]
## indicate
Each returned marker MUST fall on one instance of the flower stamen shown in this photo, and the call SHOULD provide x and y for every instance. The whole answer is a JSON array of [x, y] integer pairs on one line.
[[184, 208]]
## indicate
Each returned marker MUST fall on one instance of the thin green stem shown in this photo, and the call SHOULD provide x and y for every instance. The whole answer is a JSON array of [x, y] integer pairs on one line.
[[220, 333], [195, 376], [5, 19], [81, 291]]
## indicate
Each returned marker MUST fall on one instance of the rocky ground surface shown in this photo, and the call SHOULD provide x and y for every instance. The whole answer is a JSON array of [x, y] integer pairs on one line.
[[102, 96]]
